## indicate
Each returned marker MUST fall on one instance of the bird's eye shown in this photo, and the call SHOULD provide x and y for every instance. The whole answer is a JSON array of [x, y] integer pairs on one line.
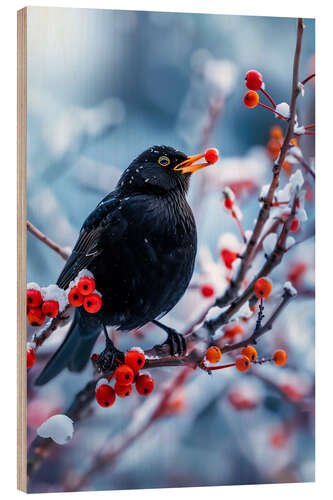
[[164, 161]]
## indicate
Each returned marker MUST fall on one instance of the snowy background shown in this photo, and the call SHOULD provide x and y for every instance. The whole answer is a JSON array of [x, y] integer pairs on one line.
[[102, 87]]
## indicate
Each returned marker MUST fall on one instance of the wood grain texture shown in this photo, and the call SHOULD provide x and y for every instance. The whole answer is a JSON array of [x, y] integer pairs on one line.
[[21, 249]]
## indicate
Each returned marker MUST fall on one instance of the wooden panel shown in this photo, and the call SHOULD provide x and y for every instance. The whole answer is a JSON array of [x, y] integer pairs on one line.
[[21, 248]]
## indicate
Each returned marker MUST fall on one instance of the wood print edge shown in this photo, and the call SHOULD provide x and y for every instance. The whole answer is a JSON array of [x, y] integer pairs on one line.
[[21, 248]]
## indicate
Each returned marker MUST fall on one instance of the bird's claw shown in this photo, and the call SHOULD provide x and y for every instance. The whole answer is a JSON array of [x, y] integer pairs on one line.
[[176, 342], [110, 358]]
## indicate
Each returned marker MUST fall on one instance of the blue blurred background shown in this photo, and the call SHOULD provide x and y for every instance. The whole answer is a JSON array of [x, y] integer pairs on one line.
[[102, 87]]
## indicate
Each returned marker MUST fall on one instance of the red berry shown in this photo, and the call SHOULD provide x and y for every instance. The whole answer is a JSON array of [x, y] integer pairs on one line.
[[263, 288], [294, 225], [135, 359], [279, 439], [123, 390], [86, 285], [233, 330], [124, 375], [280, 357], [105, 395], [31, 358], [75, 297], [144, 384], [213, 354], [94, 357], [211, 155], [228, 203], [50, 308], [291, 392], [251, 99], [253, 80], [228, 257], [242, 363], [36, 317], [207, 291], [296, 272], [250, 352], [34, 298], [92, 303]]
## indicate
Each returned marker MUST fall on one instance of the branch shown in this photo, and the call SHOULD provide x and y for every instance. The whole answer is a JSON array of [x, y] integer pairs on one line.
[[50, 243], [247, 257], [258, 332], [40, 337], [119, 443]]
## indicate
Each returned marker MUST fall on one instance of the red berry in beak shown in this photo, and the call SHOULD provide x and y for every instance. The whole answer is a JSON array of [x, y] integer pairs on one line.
[[31, 358], [36, 316], [50, 308], [122, 390], [124, 375], [105, 395], [135, 359], [253, 80], [92, 303], [34, 298], [75, 297], [144, 385], [211, 155], [86, 285]]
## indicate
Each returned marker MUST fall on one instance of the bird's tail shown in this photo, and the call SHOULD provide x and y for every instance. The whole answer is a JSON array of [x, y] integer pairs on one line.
[[73, 353]]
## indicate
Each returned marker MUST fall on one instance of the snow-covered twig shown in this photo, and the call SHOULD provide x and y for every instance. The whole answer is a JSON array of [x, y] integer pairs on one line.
[[306, 167]]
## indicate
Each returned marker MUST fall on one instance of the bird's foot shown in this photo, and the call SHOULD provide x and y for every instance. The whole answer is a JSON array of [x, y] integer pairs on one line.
[[175, 340], [111, 357]]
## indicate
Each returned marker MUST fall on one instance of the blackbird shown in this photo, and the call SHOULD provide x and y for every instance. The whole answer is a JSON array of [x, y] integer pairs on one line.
[[140, 244]]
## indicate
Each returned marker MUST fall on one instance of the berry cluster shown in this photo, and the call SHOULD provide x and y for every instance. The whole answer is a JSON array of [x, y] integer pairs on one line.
[[82, 292], [44, 302], [126, 374], [262, 290], [243, 361], [254, 82], [52, 300]]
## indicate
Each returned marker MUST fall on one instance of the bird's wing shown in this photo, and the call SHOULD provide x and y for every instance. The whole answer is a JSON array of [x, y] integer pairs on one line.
[[88, 246]]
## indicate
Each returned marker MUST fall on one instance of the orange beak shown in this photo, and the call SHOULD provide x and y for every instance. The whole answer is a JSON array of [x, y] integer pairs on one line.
[[188, 166]]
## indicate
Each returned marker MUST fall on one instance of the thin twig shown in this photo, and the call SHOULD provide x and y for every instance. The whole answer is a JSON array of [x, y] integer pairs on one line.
[[40, 337], [258, 332], [50, 243], [306, 167], [307, 79]]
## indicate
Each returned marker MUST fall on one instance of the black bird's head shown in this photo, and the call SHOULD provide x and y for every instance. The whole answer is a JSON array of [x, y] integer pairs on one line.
[[161, 169]]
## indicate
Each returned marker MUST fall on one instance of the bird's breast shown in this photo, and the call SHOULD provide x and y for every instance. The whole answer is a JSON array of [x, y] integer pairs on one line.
[[150, 267]]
